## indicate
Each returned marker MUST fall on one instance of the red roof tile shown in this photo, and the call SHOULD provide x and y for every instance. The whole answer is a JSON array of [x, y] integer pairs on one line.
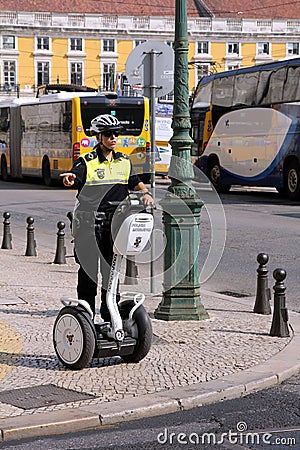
[[257, 9], [271, 9], [120, 7]]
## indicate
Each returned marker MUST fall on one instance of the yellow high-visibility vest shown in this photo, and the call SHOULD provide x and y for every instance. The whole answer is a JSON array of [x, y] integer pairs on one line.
[[106, 172]]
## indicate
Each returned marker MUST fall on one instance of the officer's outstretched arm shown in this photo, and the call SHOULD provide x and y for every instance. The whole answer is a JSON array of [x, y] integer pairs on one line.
[[68, 178]]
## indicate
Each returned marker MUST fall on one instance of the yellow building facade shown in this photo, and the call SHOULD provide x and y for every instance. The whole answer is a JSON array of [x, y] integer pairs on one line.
[[93, 49]]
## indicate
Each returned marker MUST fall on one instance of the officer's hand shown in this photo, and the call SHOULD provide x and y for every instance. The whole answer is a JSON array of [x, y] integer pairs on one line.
[[68, 178], [148, 199]]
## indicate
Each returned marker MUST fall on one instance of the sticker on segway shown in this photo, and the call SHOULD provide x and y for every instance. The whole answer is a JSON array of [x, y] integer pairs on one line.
[[137, 241]]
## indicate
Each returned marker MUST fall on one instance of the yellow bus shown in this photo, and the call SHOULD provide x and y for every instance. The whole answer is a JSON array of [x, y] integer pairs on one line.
[[42, 137]]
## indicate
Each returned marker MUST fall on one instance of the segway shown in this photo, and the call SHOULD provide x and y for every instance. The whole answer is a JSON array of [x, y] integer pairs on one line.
[[76, 337]]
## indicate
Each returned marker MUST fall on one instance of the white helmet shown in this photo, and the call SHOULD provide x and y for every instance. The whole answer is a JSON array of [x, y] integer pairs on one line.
[[104, 122]]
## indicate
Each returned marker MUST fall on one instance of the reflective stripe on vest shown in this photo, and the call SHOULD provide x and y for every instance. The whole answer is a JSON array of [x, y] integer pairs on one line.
[[107, 172]]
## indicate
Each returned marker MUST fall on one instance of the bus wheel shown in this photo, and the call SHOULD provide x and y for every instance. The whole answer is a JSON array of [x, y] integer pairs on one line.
[[4, 171], [214, 174], [46, 171], [292, 180]]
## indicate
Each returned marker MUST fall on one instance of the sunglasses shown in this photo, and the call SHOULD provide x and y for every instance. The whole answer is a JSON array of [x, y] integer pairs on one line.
[[110, 133]]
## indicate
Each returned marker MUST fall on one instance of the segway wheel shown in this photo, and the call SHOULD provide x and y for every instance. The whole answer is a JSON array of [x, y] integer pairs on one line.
[[73, 338], [144, 328]]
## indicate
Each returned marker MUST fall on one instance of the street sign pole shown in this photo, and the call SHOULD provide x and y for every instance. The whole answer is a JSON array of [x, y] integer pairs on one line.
[[153, 88], [142, 69]]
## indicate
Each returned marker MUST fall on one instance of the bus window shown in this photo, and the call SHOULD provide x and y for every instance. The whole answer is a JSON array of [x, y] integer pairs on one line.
[[222, 93], [67, 117], [244, 89], [4, 120]]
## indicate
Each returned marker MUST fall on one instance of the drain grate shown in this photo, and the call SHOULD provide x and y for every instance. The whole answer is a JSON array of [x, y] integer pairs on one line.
[[41, 396], [234, 294]]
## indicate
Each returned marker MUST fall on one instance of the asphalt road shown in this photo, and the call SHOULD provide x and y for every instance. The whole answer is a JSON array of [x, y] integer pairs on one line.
[[264, 420], [253, 221]]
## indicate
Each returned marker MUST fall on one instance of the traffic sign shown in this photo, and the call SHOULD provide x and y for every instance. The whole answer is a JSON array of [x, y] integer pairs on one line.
[[138, 67]]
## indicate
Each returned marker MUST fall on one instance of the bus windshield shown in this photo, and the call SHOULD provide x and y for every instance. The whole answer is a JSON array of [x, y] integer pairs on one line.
[[130, 114]]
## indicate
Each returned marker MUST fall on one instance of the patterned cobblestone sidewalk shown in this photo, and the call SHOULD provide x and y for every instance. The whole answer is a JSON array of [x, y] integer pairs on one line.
[[183, 354]]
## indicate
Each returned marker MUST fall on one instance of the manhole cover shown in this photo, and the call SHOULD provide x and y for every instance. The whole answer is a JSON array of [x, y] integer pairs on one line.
[[41, 396], [234, 294]]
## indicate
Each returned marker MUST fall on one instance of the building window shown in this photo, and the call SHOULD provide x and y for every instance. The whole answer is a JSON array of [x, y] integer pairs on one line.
[[109, 45], [202, 71], [9, 73], [263, 48], [202, 47], [169, 98], [9, 42], [137, 42], [108, 78], [233, 48], [233, 66], [43, 72], [76, 44], [292, 48], [76, 73], [43, 43]]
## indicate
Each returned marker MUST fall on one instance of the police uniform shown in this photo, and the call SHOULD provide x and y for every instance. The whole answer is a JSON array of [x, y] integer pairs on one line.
[[99, 182]]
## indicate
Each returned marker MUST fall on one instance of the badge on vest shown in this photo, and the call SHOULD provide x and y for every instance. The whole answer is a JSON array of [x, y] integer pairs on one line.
[[100, 173]]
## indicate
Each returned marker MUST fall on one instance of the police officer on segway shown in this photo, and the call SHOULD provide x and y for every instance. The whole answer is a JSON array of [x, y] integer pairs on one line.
[[103, 178]]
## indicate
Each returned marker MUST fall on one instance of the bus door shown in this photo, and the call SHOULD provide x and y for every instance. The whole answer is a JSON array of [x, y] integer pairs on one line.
[[16, 130], [201, 132]]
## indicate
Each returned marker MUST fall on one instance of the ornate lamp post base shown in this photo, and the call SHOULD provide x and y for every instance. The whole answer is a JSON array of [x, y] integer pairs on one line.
[[181, 296]]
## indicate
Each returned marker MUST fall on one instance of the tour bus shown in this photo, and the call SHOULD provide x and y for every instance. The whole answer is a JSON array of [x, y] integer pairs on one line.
[[43, 136], [246, 125]]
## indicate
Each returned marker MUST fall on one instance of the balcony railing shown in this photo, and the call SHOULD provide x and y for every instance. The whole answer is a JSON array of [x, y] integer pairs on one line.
[[155, 25]]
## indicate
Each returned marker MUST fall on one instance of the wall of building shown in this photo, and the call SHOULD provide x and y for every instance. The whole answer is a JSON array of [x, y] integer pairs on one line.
[[93, 29]]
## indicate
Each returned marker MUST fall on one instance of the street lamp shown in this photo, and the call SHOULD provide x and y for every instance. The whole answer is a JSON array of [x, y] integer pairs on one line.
[[181, 208]]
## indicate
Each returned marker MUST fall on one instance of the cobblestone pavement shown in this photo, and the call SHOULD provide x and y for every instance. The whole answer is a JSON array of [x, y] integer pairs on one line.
[[184, 354]]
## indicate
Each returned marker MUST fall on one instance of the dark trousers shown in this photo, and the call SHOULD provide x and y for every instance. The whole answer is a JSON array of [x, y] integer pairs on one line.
[[90, 248]]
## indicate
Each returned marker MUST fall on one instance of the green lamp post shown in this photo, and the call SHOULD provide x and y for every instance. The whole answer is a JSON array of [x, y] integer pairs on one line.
[[181, 207]]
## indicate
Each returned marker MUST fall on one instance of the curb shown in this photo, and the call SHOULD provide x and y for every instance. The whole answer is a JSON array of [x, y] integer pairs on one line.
[[265, 375]]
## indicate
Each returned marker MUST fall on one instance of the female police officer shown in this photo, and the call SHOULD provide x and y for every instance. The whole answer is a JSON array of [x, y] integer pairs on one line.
[[102, 176]]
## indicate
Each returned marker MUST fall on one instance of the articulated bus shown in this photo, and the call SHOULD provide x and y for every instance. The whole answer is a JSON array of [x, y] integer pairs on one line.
[[246, 127], [43, 136]]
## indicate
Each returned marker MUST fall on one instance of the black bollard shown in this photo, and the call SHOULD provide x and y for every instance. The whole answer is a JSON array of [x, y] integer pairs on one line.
[[131, 271], [7, 238], [60, 255], [280, 315], [263, 293], [31, 244]]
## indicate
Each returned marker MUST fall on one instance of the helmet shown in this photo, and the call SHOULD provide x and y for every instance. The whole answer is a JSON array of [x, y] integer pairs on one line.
[[104, 122]]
